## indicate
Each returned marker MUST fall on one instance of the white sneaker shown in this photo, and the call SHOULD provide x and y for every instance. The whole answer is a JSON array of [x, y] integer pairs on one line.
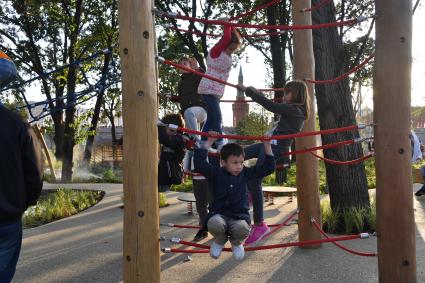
[[215, 250], [238, 252]]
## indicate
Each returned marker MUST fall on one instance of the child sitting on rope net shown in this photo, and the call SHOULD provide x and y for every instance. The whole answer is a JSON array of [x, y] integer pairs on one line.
[[228, 217], [293, 111], [219, 63]]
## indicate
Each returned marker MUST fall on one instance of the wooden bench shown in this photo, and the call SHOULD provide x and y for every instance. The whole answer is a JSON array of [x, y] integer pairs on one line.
[[271, 191], [189, 199]]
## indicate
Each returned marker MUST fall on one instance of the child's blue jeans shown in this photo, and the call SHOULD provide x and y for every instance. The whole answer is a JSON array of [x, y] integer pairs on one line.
[[214, 118]]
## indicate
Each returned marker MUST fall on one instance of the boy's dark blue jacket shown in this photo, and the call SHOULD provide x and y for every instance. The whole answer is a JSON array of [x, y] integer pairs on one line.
[[230, 192]]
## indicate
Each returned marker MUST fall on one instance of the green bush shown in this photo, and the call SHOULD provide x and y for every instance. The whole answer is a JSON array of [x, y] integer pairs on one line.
[[186, 186], [60, 203], [162, 200]]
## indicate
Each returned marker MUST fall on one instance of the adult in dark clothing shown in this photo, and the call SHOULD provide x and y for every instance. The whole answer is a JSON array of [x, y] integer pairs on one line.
[[170, 170], [20, 185], [293, 112]]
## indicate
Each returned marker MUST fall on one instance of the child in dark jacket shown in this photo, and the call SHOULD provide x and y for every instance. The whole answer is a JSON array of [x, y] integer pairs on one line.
[[228, 218], [191, 103], [170, 170]]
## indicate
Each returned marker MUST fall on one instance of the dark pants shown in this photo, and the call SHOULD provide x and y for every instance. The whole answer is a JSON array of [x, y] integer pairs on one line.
[[203, 195], [214, 119], [10, 247], [257, 151]]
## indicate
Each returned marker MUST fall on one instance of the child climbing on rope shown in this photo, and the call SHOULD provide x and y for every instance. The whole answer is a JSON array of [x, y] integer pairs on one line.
[[228, 218], [219, 63], [192, 106], [7, 70], [170, 169], [293, 112]]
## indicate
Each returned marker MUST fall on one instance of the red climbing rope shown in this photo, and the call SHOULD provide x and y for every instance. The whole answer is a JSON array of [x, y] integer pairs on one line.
[[341, 246], [279, 27], [343, 76], [177, 99], [343, 162], [255, 10], [275, 246], [182, 67], [326, 146], [254, 35], [317, 6], [264, 138], [179, 66]]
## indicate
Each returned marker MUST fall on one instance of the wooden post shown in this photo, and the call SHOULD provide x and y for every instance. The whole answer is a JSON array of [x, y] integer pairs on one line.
[[45, 149], [391, 100], [140, 114], [307, 165]]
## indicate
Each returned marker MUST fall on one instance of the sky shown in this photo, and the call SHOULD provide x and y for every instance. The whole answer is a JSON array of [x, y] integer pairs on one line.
[[254, 72]]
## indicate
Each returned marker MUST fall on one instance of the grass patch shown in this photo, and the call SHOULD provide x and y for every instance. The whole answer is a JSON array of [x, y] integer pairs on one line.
[[56, 204], [355, 219]]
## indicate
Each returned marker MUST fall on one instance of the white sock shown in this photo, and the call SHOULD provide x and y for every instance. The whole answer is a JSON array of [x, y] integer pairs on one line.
[[215, 250], [238, 252]]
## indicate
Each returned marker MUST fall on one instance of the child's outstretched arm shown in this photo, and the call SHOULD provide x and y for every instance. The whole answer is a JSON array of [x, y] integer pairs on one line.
[[221, 45], [275, 107], [200, 160], [265, 169]]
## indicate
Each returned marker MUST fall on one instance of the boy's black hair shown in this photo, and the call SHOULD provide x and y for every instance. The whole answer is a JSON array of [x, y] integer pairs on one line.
[[175, 119], [231, 149]]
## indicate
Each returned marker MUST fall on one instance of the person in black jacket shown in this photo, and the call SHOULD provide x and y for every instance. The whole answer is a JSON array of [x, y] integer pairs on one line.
[[170, 169], [20, 185]]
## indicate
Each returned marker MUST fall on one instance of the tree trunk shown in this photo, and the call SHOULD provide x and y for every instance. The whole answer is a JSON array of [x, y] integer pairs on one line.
[[69, 133], [347, 183], [88, 150], [113, 130], [276, 46]]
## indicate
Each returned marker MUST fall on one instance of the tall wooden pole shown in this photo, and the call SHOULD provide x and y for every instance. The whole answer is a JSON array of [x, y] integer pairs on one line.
[[45, 149], [394, 201], [141, 222], [307, 165]]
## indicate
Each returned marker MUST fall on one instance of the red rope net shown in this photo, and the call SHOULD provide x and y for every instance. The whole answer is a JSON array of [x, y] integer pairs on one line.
[[266, 247], [354, 252], [279, 27], [343, 76], [264, 138], [337, 162]]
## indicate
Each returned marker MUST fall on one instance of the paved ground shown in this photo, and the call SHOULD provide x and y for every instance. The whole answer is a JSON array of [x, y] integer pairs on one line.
[[87, 248]]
